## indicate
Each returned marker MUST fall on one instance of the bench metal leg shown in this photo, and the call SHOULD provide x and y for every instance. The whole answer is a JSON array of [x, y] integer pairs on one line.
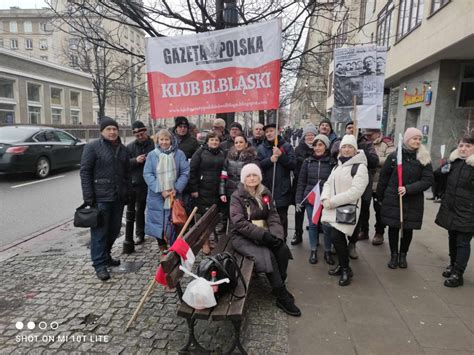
[[192, 341], [237, 343]]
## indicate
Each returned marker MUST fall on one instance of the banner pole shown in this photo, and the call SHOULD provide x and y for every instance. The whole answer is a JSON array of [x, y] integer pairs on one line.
[[354, 115], [275, 163]]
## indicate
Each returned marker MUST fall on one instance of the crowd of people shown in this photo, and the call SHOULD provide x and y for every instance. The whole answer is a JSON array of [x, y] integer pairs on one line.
[[254, 180]]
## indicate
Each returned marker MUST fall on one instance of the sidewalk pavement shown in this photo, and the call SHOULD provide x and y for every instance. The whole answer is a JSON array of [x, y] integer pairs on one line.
[[49, 280]]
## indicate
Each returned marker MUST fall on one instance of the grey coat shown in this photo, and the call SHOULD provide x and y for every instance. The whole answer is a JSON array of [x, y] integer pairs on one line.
[[246, 236]]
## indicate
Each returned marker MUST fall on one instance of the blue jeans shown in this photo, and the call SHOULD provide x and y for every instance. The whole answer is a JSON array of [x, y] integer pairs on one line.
[[103, 236], [314, 232]]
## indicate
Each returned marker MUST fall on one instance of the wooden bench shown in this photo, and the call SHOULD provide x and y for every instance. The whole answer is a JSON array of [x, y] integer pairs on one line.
[[228, 307]]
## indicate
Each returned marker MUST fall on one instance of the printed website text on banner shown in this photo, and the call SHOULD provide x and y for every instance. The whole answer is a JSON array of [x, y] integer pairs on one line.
[[228, 70]]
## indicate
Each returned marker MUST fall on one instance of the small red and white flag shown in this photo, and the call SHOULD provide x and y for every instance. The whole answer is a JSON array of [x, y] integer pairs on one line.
[[187, 259], [314, 198], [399, 161]]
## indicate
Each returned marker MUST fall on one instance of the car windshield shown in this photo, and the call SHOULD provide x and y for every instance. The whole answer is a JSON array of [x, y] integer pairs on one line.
[[14, 134]]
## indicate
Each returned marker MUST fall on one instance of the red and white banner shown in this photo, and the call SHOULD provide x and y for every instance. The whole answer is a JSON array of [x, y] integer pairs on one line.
[[230, 70]]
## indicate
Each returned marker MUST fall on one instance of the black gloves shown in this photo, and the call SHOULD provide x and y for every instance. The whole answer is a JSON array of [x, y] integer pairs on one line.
[[272, 242]]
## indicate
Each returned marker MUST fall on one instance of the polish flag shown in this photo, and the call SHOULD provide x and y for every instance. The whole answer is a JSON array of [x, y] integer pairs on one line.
[[399, 161], [314, 198], [187, 259]]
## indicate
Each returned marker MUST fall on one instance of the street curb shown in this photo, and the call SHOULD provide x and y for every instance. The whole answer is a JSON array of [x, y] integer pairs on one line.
[[34, 235]]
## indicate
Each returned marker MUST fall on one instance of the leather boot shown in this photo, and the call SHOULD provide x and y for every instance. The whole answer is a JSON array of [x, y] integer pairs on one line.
[[377, 239], [336, 271], [393, 263], [328, 258], [285, 302], [352, 251], [313, 257], [402, 262], [455, 280], [363, 236], [346, 275], [140, 240], [297, 238], [448, 271]]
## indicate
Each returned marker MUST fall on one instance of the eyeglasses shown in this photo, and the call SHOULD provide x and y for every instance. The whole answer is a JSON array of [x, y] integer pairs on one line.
[[139, 134]]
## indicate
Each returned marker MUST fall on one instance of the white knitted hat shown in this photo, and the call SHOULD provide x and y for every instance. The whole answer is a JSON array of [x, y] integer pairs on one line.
[[349, 139], [250, 169]]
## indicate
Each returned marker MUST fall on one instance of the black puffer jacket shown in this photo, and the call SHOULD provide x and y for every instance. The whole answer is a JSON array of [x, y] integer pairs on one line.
[[135, 149], [312, 171], [105, 172], [417, 177], [456, 212], [188, 144], [286, 163], [206, 167], [235, 161], [302, 151], [256, 142]]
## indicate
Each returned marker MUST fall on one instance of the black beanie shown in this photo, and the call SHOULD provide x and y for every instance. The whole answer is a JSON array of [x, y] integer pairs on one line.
[[349, 123], [236, 125], [106, 121], [138, 126], [178, 121]]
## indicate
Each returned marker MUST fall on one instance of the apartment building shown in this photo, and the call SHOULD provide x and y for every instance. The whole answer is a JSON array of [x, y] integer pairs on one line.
[[38, 34], [429, 80], [34, 91]]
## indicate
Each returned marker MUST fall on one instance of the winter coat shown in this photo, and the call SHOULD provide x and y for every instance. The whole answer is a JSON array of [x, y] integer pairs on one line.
[[383, 147], [286, 163], [312, 171], [235, 161], [246, 236], [105, 172], [206, 167], [227, 144], [188, 144], [302, 151], [256, 142], [342, 189], [417, 177], [456, 212], [157, 217], [135, 149]]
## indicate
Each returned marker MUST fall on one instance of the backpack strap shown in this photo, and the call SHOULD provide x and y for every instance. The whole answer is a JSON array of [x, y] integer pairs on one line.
[[354, 169], [240, 276]]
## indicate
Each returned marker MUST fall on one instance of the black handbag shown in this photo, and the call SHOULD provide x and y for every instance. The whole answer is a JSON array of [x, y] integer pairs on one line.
[[86, 217], [347, 214]]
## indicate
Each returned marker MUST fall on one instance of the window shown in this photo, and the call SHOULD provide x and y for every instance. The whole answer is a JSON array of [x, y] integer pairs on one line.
[[363, 9], [385, 26], [13, 27], [28, 43], [7, 114], [438, 4], [46, 27], [75, 116], [56, 96], [33, 92], [74, 99], [6, 88], [14, 44], [466, 92], [56, 114], [74, 60], [43, 44], [34, 114], [410, 14], [73, 43], [64, 137], [28, 27], [44, 57]]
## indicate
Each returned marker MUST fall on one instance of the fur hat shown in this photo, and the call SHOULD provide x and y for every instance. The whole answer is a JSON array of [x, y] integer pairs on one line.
[[349, 139], [106, 121], [250, 169], [323, 138], [309, 128], [410, 133]]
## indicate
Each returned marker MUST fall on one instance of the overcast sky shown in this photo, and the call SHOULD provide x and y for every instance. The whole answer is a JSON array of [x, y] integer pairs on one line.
[[23, 4]]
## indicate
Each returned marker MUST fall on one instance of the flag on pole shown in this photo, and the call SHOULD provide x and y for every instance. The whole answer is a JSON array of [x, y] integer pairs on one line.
[[314, 198], [399, 161], [187, 259]]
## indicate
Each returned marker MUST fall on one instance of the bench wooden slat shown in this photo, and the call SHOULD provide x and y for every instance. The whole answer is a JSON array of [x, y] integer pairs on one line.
[[236, 307]]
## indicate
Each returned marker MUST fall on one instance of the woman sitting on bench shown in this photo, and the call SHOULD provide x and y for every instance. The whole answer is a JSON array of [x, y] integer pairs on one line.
[[257, 233]]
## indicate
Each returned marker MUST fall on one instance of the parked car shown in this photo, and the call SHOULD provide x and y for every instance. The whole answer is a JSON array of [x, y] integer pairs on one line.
[[37, 150]]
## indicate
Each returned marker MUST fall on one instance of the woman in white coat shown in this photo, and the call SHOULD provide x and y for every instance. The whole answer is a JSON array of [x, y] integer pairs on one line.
[[345, 186]]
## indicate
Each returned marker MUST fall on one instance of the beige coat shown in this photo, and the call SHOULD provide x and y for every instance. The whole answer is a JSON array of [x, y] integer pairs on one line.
[[384, 147], [349, 190]]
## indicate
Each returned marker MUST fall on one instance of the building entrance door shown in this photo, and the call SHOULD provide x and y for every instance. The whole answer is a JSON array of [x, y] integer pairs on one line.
[[413, 117]]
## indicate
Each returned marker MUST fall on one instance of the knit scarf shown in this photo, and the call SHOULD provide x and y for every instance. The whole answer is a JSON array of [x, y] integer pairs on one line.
[[166, 172]]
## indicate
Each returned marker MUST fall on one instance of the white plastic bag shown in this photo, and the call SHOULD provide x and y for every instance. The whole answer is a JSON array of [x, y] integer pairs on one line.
[[199, 293]]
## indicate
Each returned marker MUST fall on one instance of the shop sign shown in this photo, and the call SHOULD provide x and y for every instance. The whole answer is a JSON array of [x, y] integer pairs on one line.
[[416, 97]]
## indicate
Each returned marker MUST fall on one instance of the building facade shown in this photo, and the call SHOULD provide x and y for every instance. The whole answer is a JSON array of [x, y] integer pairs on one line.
[[429, 79], [34, 91], [42, 34]]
